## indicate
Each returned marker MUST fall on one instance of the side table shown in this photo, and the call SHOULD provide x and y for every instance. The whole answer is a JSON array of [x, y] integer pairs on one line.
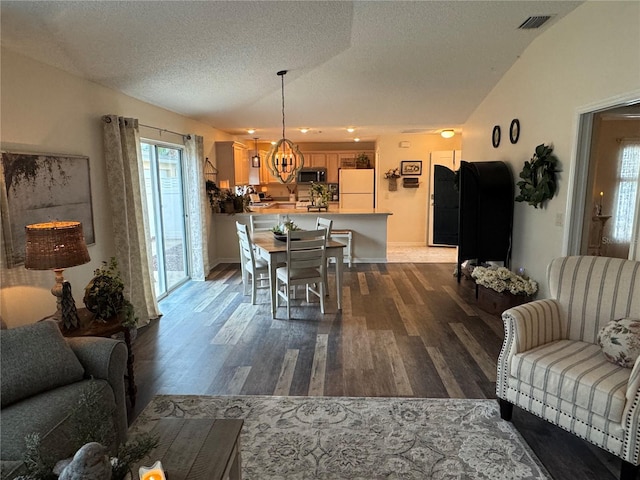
[[90, 327]]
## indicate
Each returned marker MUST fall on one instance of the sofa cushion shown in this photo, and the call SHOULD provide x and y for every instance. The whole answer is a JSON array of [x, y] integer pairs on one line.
[[620, 341], [576, 372], [51, 362], [48, 414]]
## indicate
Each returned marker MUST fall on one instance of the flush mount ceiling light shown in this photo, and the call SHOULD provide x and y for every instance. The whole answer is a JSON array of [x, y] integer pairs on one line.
[[304, 130], [251, 131], [284, 160], [255, 160], [448, 133]]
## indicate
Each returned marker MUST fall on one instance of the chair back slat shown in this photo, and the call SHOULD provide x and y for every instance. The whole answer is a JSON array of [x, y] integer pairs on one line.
[[324, 223], [246, 245], [263, 223], [306, 249]]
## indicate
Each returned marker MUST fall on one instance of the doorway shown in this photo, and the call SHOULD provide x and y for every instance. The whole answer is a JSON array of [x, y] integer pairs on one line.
[[162, 165], [605, 183], [442, 222]]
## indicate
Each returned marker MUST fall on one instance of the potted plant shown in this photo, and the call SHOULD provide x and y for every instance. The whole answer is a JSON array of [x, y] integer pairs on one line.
[[362, 161], [213, 194], [320, 194], [104, 295]]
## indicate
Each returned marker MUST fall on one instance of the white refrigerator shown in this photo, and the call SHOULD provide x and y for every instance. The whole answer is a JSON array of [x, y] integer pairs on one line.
[[357, 188]]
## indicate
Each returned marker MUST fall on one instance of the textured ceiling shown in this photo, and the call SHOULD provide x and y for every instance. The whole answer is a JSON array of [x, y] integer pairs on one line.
[[383, 67]]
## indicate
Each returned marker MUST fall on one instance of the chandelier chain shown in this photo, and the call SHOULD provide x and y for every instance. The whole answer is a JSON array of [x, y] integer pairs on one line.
[[282, 78]]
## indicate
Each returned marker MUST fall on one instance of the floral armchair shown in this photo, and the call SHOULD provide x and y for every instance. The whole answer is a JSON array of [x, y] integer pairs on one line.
[[551, 365]]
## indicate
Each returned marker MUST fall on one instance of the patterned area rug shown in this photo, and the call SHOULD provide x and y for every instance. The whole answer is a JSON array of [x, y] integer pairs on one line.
[[363, 438]]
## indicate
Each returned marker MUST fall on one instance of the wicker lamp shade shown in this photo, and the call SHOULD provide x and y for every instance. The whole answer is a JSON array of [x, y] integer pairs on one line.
[[55, 245]]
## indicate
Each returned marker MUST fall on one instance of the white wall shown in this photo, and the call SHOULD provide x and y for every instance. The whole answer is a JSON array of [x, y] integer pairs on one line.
[[591, 55], [408, 224], [46, 110]]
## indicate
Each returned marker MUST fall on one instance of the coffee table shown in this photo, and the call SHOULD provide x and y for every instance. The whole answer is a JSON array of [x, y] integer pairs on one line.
[[197, 448]]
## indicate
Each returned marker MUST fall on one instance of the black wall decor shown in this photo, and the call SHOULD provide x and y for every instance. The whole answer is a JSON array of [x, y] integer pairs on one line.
[[485, 217]]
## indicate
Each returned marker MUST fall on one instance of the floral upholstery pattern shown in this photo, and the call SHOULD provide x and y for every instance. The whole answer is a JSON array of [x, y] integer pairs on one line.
[[620, 341]]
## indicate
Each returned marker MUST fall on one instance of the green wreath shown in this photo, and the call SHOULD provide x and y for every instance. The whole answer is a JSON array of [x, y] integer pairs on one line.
[[538, 182]]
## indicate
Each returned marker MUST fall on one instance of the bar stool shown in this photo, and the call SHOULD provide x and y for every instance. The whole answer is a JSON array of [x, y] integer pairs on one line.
[[346, 236]]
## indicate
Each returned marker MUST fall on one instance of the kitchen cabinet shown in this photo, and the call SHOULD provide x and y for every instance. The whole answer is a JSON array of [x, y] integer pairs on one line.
[[233, 163], [333, 166], [316, 160]]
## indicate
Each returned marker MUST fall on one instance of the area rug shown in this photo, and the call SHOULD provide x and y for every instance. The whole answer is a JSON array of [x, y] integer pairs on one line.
[[363, 438]]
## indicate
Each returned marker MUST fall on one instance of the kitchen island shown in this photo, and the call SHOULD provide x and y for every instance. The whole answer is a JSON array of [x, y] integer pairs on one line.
[[369, 229]]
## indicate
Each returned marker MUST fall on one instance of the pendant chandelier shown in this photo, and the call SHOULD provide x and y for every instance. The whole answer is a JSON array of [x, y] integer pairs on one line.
[[255, 160], [284, 160]]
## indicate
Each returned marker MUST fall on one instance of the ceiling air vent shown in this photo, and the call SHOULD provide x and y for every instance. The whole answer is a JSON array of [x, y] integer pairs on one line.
[[534, 22]]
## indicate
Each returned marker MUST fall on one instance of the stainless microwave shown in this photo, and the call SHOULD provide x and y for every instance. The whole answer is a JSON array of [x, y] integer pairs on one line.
[[312, 174]]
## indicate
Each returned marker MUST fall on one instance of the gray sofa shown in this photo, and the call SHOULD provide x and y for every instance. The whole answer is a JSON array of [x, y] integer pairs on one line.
[[42, 376]]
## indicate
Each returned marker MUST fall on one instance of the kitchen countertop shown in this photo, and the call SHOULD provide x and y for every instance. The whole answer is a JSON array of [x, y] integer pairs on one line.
[[333, 210]]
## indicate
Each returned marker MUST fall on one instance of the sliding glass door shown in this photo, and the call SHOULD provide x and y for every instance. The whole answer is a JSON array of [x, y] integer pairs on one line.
[[165, 213]]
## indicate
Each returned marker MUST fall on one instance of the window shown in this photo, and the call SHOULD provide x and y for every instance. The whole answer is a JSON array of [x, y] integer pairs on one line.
[[625, 203], [165, 213]]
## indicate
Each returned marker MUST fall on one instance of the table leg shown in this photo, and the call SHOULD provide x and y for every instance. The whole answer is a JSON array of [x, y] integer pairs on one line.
[[273, 282], [339, 261]]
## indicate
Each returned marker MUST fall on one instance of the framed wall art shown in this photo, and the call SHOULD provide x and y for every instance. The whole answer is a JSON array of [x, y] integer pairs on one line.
[[495, 136], [411, 167], [40, 188]]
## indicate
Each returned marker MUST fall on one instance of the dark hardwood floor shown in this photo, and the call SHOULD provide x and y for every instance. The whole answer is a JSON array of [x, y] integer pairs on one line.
[[405, 330]]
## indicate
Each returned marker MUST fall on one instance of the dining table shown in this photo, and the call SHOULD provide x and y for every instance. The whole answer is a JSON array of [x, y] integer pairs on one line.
[[274, 251]]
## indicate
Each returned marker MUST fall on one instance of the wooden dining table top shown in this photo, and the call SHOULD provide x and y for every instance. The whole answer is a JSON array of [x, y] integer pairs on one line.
[[270, 244]]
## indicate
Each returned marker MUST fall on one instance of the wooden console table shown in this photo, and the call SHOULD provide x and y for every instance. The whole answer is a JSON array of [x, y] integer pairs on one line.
[[90, 327], [198, 448]]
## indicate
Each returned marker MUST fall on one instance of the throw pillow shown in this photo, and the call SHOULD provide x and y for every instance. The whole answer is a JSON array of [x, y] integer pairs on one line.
[[620, 341], [35, 358]]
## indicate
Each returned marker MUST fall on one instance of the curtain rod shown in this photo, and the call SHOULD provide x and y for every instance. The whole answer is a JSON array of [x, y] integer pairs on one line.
[[167, 131], [622, 139]]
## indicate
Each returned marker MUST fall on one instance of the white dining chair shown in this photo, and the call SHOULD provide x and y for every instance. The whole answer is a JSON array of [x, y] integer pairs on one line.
[[255, 268], [327, 225], [263, 223], [306, 265]]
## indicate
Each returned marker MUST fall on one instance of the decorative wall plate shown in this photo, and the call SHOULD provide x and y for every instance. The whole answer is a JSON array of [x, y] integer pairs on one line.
[[514, 131], [495, 136]]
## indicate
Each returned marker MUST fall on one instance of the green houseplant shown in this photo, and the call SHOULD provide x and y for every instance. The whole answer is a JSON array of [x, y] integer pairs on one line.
[[362, 160], [320, 194], [104, 295]]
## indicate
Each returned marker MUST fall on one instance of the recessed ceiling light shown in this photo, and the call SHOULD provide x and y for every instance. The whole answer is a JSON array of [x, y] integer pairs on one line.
[[304, 130], [351, 129], [273, 142], [356, 139], [251, 131]]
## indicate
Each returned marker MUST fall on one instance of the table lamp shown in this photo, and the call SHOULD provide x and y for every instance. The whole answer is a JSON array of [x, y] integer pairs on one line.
[[55, 246]]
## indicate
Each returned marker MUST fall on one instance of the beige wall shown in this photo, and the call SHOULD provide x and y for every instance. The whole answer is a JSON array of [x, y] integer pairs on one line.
[[408, 224], [588, 57], [44, 109]]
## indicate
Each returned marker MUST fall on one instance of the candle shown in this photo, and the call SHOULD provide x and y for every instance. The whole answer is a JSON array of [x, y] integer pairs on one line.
[[600, 208], [154, 472]]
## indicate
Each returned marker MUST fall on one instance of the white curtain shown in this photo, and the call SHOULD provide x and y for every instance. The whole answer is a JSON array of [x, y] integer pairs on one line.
[[125, 179], [196, 207]]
